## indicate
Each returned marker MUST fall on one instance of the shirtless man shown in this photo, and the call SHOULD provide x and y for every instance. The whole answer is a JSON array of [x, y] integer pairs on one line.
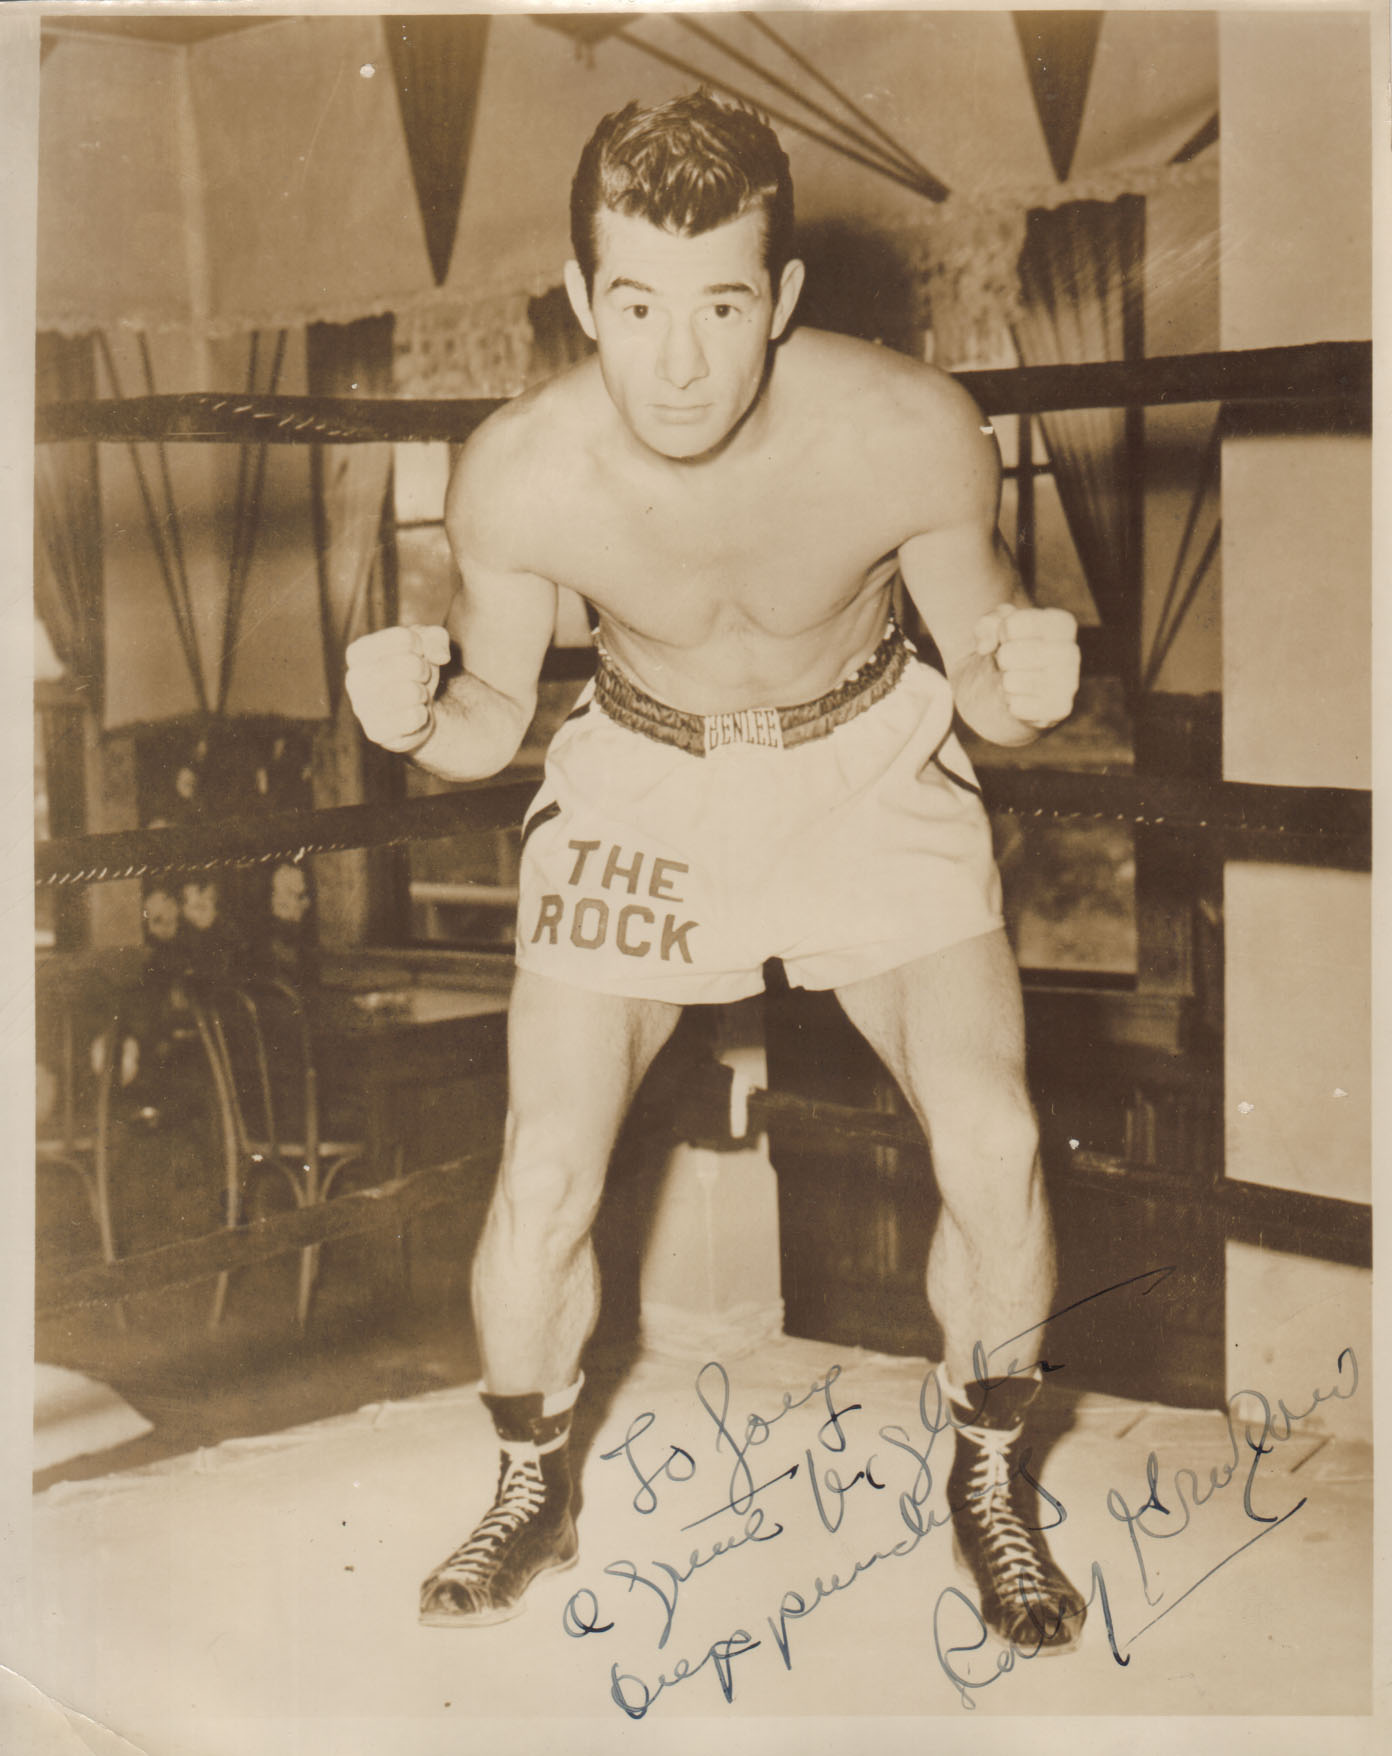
[[762, 767]]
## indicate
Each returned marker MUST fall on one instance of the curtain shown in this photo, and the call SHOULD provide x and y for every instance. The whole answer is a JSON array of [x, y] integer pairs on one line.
[[557, 338], [356, 892], [351, 482], [263, 377], [464, 347], [1079, 272], [67, 523], [208, 550]]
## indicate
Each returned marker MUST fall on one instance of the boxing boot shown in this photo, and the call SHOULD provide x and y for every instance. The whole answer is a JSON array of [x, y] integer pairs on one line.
[[529, 1528], [998, 1520]]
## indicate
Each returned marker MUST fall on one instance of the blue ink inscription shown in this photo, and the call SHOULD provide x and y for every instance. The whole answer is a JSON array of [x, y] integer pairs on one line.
[[1164, 1505], [720, 1653], [753, 1533], [645, 1500]]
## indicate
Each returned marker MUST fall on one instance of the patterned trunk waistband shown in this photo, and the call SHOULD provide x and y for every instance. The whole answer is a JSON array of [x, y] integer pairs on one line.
[[774, 728]]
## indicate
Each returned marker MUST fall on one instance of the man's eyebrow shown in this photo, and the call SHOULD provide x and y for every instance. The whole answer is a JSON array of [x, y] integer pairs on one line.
[[622, 282]]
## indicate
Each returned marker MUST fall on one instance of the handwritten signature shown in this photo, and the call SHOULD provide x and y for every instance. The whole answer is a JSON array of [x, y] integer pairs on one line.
[[821, 1485]]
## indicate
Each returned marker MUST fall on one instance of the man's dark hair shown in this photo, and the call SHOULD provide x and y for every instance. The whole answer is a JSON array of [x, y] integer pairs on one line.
[[688, 166]]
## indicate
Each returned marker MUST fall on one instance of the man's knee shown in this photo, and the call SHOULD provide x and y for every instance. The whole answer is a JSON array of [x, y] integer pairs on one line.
[[986, 1165], [547, 1186], [994, 1136]]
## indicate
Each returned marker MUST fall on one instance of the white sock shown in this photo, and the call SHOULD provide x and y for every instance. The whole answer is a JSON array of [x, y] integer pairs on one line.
[[560, 1400], [956, 1394]]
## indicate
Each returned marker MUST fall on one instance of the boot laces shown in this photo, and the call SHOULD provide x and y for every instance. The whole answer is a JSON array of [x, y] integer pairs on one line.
[[1010, 1544], [521, 1495]]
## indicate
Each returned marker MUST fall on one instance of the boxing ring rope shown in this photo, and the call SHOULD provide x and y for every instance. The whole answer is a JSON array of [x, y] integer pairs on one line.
[[277, 836], [1327, 825], [1328, 381], [1332, 373], [388, 1207], [1323, 383], [705, 1102]]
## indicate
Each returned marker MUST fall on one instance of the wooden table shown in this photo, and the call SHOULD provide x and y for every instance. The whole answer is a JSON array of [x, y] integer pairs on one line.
[[391, 1046]]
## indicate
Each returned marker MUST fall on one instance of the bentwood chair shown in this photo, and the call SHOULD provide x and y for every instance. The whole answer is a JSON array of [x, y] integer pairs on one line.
[[266, 1043], [74, 1045], [172, 1015]]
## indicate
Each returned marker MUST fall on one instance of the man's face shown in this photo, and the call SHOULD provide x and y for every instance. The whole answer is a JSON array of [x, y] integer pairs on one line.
[[683, 326]]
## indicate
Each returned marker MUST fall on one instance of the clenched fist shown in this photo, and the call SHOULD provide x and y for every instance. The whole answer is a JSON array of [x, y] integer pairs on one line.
[[392, 678], [1036, 653]]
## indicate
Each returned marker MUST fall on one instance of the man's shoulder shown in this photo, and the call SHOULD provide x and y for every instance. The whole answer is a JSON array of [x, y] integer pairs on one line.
[[526, 451], [868, 382], [904, 425], [549, 419]]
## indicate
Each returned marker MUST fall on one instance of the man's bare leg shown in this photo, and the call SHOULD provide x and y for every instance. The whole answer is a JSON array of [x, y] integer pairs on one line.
[[575, 1061], [950, 1028]]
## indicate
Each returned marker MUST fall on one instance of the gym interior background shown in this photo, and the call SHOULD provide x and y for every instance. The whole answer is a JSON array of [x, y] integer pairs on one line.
[[351, 207]]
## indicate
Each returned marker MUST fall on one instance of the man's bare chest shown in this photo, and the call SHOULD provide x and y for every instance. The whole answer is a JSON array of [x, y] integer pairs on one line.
[[674, 565]]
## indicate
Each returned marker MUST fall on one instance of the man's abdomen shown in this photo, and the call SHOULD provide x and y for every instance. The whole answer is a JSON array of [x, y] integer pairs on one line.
[[733, 652]]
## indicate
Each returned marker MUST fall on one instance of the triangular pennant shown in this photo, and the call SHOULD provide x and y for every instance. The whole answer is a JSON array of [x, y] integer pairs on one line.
[[436, 63], [1059, 48]]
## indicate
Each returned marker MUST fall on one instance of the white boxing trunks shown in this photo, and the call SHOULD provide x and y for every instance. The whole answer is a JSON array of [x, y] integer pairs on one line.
[[667, 855]]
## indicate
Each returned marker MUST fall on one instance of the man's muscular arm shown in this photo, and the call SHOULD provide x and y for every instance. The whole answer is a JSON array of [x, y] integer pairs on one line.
[[500, 620], [1013, 668]]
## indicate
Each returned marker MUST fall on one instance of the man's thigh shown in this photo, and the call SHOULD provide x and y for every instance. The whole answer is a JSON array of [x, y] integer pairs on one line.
[[577, 1056], [949, 1026]]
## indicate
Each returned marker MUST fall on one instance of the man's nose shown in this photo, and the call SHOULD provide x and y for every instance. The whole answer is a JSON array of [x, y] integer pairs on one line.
[[682, 360]]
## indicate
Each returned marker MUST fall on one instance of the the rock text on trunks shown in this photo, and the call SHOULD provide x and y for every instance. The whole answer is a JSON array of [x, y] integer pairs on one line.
[[591, 921]]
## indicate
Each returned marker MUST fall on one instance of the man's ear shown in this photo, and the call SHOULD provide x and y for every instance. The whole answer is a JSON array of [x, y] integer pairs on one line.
[[578, 294], [789, 290]]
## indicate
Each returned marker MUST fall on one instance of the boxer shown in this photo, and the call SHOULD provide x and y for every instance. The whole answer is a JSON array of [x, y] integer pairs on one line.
[[763, 766]]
